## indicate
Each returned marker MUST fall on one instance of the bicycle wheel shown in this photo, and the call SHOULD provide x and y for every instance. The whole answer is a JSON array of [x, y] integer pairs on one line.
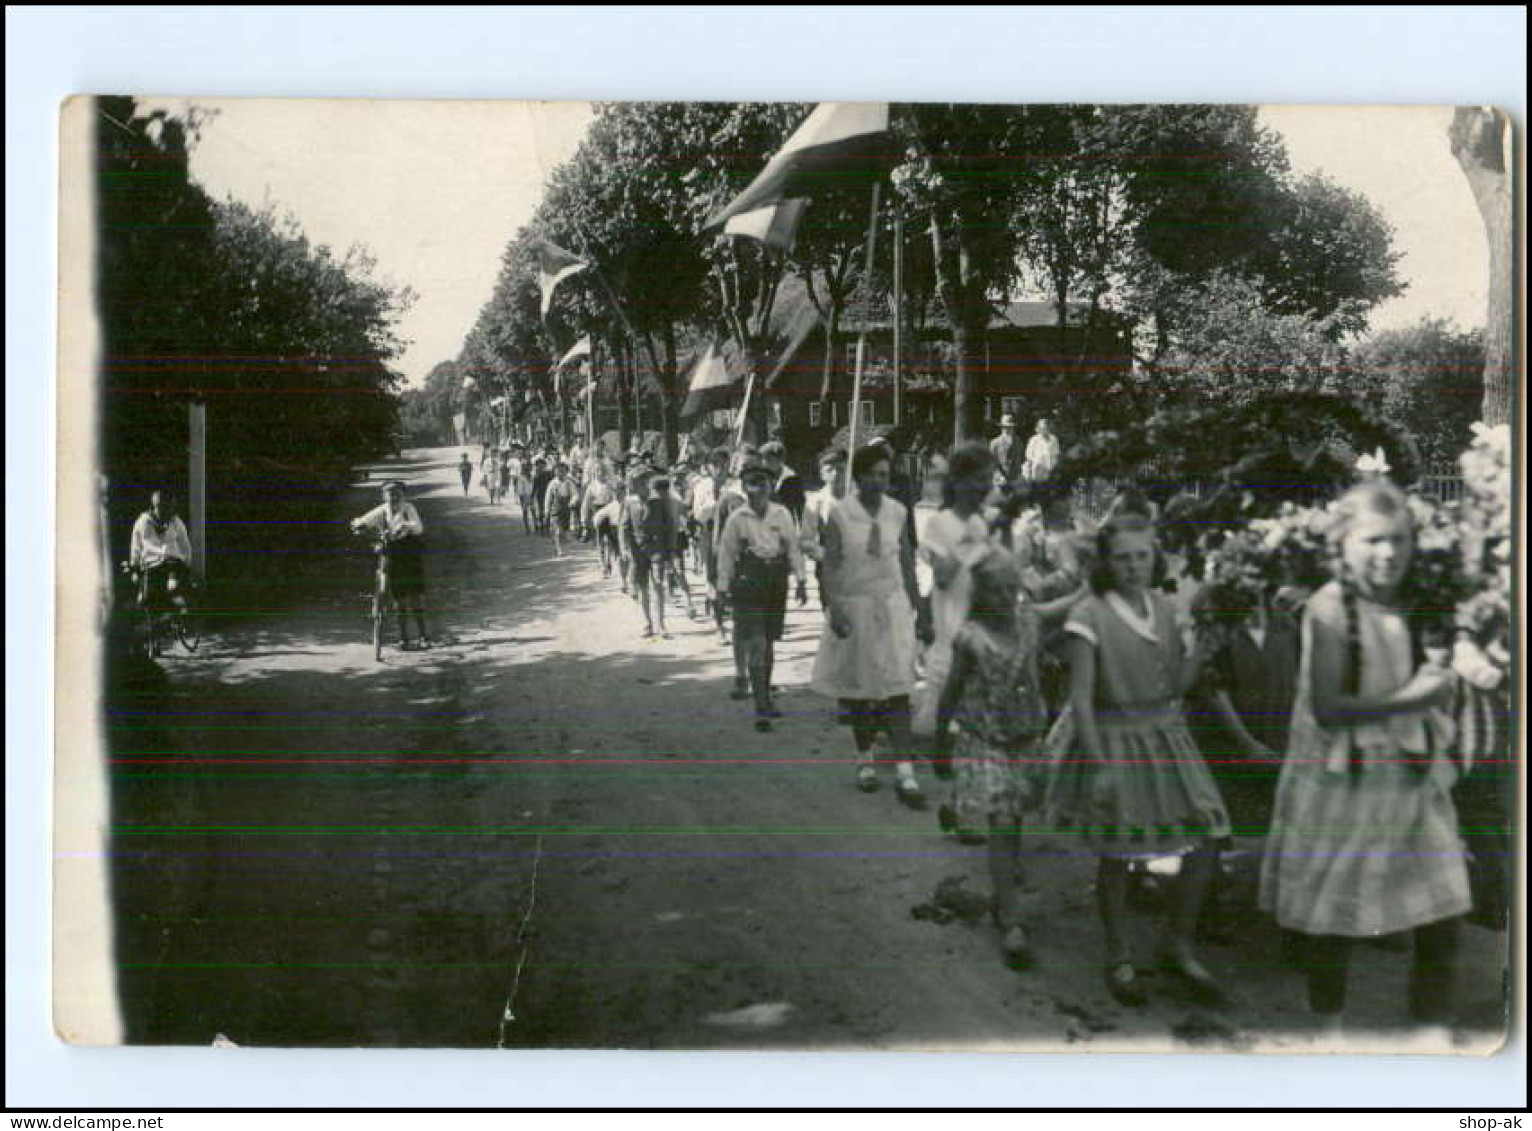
[[379, 610], [148, 635], [188, 629]]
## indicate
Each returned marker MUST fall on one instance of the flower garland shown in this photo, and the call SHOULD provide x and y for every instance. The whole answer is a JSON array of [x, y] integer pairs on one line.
[[1460, 574]]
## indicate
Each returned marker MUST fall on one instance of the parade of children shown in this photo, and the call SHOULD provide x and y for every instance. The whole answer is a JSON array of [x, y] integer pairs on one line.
[[1081, 693]]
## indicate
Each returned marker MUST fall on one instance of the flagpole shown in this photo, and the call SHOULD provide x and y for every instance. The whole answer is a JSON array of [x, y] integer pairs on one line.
[[898, 318], [744, 410], [591, 384], [861, 335]]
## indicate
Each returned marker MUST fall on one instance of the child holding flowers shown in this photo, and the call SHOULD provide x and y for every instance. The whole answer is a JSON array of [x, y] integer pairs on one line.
[[1364, 839]]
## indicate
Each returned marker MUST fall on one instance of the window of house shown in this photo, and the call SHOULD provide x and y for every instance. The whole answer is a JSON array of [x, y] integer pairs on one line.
[[1011, 405], [816, 413], [869, 414]]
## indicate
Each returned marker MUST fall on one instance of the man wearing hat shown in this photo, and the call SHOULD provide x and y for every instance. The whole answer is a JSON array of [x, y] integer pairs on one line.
[[1007, 449], [758, 547], [398, 533]]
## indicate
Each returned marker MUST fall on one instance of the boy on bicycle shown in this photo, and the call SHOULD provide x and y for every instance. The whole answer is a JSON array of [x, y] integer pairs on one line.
[[160, 553], [399, 535]]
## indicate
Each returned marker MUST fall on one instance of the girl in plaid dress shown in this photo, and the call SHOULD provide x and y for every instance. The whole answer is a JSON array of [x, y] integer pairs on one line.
[[1364, 839]]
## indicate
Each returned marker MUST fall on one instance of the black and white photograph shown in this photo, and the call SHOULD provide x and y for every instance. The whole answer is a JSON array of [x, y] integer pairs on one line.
[[803, 576]]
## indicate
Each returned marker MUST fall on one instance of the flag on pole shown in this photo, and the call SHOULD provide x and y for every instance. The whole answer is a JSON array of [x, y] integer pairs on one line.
[[837, 142], [710, 384], [554, 265], [776, 225], [573, 353]]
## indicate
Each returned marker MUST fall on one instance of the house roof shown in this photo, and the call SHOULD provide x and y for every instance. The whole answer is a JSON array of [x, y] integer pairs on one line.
[[1018, 314]]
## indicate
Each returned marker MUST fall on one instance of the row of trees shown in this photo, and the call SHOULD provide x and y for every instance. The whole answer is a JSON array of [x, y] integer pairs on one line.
[[288, 341], [1185, 222]]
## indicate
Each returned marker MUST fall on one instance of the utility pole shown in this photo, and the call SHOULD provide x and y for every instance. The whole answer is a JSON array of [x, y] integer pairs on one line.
[[196, 483]]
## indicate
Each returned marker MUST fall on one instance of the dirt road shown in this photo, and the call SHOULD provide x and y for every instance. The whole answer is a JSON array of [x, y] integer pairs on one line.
[[551, 833]]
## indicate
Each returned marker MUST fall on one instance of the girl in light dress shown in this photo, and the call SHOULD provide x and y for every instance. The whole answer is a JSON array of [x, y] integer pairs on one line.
[[1132, 784], [955, 537], [1364, 839]]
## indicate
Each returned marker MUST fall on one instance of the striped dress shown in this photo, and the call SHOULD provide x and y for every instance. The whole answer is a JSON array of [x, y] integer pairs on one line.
[[1376, 850]]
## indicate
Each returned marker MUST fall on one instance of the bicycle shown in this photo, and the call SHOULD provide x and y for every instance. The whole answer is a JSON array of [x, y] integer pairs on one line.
[[161, 619], [380, 590]]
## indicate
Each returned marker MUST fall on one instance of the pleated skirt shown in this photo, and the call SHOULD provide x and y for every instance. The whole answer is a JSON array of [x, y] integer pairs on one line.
[[1150, 794]]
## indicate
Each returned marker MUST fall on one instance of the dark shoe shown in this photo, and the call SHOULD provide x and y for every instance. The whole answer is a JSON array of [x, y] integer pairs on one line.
[[741, 691], [1193, 978], [908, 793], [1016, 948], [763, 725], [1122, 983], [867, 779]]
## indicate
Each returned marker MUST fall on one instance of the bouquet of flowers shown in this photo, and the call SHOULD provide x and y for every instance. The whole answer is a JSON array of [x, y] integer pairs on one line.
[[1460, 575], [1484, 519]]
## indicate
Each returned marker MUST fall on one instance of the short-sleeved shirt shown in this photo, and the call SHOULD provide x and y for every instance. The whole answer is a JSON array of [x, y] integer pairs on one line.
[[771, 536], [560, 495], [1138, 659]]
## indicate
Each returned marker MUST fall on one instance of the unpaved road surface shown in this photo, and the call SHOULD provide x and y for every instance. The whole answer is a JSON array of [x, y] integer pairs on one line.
[[551, 833]]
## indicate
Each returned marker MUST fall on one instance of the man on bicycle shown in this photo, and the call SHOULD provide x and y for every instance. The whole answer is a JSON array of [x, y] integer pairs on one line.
[[399, 535], [160, 554]]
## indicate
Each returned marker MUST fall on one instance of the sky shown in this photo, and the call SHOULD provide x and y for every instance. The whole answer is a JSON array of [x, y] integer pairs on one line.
[[1398, 158], [436, 189]]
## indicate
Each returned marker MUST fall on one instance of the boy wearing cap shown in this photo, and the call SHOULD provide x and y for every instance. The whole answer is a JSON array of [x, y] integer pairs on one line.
[[664, 525], [757, 548], [787, 487], [816, 513], [605, 521], [396, 528], [558, 503], [633, 535], [542, 475]]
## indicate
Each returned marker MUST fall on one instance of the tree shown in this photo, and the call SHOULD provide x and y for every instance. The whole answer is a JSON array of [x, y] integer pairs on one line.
[[620, 201], [1329, 254], [198, 297], [1429, 379], [426, 413], [967, 169], [1479, 140], [309, 336], [1232, 347]]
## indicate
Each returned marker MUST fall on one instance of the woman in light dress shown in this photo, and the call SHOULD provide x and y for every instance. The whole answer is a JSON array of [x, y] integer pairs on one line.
[[866, 658]]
